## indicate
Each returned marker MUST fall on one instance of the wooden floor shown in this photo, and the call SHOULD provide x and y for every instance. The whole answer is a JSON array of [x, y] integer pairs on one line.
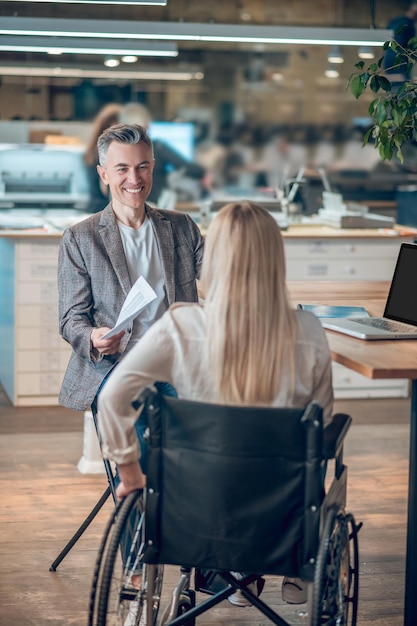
[[45, 498]]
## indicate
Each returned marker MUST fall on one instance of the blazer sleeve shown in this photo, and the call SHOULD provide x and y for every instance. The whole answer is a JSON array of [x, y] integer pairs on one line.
[[75, 299], [198, 244]]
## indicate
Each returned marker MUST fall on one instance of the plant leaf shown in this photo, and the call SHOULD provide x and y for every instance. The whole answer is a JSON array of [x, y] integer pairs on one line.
[[398, 116], [367, 136], [380, 113], [356, 86], [374, 83], [412, 43], [394, 112], [384, 83]]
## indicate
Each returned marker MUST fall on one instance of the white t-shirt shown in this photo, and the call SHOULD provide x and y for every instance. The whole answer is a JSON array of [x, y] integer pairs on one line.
[[142, 256]]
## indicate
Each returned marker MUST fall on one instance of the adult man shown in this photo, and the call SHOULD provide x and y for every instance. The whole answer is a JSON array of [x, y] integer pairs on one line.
[[101, 257]]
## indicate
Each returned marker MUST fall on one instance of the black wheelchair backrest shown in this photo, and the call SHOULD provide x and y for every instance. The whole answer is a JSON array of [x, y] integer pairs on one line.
[[234, 488]]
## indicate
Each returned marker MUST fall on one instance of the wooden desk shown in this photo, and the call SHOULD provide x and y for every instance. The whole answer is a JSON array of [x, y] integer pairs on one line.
[[376, 359]]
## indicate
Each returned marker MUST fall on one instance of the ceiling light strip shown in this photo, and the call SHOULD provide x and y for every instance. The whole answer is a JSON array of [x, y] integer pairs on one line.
[[60, 72], [82, 45], [180, 31], [161, 3]]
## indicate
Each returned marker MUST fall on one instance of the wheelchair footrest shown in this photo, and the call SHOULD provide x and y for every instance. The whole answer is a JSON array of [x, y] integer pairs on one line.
[[208, 581]]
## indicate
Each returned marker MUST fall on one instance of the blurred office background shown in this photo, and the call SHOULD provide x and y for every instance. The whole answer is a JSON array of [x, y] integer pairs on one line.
[[252, 114]]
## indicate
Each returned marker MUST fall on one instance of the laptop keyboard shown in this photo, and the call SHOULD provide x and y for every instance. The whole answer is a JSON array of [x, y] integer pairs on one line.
[[384, 324]]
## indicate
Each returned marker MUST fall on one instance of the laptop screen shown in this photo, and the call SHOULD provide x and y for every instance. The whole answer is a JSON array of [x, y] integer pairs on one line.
[[402, 298]]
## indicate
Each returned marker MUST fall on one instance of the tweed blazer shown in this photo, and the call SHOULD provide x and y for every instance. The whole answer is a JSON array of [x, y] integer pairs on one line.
[[93, 281]]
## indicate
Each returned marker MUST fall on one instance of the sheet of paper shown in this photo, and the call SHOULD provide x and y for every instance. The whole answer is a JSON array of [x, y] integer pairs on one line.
[[138, 297]]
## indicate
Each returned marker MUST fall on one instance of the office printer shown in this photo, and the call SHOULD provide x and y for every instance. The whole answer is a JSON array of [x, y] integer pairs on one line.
[[39, 176]]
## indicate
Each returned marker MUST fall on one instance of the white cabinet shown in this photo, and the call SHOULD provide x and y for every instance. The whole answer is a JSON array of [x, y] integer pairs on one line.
[[323, 258], [350, 384], [34, 357]]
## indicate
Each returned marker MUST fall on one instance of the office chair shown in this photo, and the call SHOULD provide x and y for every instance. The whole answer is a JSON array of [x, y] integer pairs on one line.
[[234, 489]]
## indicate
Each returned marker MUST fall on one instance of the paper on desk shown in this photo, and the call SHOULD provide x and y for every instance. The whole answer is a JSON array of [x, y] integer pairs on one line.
[[140, 295]]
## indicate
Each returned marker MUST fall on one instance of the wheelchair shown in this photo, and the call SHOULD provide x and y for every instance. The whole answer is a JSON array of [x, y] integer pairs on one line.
[[232, 489]]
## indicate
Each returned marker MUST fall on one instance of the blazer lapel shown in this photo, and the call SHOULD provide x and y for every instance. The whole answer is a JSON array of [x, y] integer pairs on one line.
[[112, 241], [165, 241]]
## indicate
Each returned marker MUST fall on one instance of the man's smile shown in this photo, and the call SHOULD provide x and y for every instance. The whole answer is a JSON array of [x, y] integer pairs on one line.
[[133, 190]]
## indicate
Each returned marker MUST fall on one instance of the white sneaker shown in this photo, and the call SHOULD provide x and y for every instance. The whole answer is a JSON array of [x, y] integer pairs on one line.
[[238, 599], [132, 615]]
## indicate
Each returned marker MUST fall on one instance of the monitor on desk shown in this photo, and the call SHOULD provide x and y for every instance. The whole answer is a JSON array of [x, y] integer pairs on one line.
[[178, 135]]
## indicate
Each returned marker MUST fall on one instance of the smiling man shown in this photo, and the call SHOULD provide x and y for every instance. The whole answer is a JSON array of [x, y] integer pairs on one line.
[[101, 257]]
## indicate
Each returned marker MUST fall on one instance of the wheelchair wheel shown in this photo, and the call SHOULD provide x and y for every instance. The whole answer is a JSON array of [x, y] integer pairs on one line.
[[115, 600], [336, 580], [185, 603], [98, 570]]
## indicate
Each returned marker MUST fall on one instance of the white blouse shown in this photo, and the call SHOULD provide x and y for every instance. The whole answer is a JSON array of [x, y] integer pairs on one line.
[[174, 350]]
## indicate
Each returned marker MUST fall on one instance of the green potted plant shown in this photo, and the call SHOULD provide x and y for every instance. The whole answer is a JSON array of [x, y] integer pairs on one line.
[[394, 110]]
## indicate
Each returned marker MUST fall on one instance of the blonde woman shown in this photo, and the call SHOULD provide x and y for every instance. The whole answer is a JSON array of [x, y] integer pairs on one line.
[[247, 345]]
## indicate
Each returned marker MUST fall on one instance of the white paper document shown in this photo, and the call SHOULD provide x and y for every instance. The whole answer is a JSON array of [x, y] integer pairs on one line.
[[138, 297]]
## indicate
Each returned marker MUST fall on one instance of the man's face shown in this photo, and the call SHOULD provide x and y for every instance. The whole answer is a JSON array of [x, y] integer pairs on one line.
[[128, 173]]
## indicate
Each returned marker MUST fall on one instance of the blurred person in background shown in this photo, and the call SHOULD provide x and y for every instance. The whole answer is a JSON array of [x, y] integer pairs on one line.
[[325, 148], [354, 155], [404, 29], [211, 154], [275, 157], [106, 117], [242, 168]]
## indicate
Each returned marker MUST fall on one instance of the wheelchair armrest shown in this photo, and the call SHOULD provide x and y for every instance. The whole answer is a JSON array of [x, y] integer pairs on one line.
[[334, 434]]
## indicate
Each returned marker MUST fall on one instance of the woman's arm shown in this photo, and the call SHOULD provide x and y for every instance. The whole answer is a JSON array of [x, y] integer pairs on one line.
[[150, 360], [323, 392]]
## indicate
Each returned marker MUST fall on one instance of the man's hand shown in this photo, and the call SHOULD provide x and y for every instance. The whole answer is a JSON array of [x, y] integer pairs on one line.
[[105, 346]]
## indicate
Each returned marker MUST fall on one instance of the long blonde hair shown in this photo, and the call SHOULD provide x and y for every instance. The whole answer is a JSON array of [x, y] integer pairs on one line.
[[251, 326]]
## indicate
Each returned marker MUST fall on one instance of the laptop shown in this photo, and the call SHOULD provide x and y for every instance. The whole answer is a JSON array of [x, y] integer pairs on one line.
[[400, 315]]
